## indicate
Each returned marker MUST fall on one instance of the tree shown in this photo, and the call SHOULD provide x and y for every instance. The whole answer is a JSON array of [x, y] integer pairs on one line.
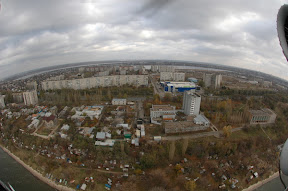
[[201, 83], [167, 97], [227, 131], [190, 185]]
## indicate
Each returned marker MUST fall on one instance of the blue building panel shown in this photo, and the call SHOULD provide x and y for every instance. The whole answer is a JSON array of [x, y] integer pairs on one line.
[[185, 89]]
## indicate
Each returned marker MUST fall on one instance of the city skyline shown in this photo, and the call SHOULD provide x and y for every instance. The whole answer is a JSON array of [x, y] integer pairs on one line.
[[240, 33]]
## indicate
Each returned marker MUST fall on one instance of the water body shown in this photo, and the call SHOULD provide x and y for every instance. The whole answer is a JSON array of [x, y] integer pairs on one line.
[[274, 185], [200, 68], [20, 178]]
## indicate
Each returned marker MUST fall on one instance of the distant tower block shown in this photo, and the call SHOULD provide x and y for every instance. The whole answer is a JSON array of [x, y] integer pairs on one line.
[[30, 98], [2, 101], [191, 103]]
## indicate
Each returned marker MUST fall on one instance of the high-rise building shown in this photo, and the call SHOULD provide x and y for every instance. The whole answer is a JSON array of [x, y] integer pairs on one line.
[[171, 76], [2, 101], [218, 81], [162, 68], [212, 80], [191, 103], [94, 82], [30, 98], [31, 85], [17, 97]]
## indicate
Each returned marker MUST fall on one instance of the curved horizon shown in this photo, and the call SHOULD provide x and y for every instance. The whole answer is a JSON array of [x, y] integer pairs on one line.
[[238, 34]]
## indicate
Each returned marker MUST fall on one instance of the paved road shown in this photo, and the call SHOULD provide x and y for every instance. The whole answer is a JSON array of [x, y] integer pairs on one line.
[[198, 135], [140, 109], [157, 89]]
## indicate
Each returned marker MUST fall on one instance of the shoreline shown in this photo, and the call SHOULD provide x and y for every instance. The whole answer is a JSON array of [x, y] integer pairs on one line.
[[262, 182], [65, 188], [36, 173]]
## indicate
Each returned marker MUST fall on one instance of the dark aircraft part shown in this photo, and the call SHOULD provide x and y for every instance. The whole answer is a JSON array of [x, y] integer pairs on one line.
[[282, 28]]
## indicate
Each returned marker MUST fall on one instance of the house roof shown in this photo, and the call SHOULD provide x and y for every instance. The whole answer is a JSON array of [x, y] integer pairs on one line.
[[100, 135], [162, 108], [50, 118]]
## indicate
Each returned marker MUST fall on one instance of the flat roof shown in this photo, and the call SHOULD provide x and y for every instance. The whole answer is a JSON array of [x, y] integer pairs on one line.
[[201, 118], [162, 107], [118, 99], [264, 111]]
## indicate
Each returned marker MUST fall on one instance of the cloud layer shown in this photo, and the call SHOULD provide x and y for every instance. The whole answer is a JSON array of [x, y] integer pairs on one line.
[[240, 33]]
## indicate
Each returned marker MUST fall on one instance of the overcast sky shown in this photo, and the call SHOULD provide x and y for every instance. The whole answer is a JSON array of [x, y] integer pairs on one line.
[[242, 33]]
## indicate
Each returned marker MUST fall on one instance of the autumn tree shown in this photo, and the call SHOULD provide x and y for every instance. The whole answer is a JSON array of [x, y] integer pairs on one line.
[[227, 131], [167, 97], [190, 185]]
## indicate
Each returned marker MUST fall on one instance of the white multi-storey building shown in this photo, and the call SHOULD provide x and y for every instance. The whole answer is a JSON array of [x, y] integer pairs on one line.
[[191, 103], [212, 80], [30, 98], [116, 101], [2, 101], [171, 76], [104, 81], [166, 68], [162, 68]]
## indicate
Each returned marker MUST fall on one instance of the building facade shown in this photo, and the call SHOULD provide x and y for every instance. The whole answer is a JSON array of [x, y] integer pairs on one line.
[[171, 76], [262, 116], [162, 112], [2, 101], [178, 86], [116, 101], [17, 97], [191, 103], [30, 98], [162, 68], [31, 85], [212, 80], [104, 81]]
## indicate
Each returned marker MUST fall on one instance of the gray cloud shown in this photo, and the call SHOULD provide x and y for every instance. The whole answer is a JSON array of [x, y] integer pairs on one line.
[[240, 33]]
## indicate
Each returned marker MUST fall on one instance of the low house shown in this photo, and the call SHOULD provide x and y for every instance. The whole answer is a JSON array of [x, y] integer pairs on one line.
[[65, 127], [108, 142], [101, 136], [135, 142], [262, 116], [63, 136], [87, 111], [86, 131], [159, 112], [34, 123], [50, 121]]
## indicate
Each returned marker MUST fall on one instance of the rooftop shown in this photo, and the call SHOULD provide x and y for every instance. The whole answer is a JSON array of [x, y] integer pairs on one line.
[[162, 108], [118, 99], [264, 111], [201, 118]]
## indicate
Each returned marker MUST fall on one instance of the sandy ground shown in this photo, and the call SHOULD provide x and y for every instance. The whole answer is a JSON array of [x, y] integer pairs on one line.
[[260, 183], [37, 174]]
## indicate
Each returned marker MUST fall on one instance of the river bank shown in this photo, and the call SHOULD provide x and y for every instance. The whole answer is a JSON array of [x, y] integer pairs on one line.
[[261, 183], [36, 173]]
